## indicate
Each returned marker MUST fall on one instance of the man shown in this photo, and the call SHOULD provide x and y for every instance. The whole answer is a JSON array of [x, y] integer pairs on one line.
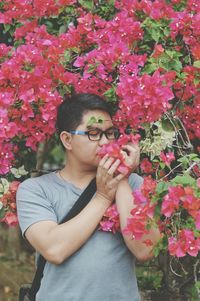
[[84, 263]]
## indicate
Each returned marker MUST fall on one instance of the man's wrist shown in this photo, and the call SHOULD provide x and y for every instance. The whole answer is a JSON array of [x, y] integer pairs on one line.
[[103, 198]]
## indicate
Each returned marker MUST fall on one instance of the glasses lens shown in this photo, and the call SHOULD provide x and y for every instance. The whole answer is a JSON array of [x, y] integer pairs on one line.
[[112, 133], [94, 135]]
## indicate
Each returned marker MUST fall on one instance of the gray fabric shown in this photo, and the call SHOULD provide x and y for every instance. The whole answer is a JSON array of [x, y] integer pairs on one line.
[[101, 270]]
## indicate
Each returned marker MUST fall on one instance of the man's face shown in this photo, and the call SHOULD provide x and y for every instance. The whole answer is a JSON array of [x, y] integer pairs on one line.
[[83, 149]]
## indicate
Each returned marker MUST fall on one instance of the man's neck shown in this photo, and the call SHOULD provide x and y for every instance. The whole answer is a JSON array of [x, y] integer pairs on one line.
[[77, 176]]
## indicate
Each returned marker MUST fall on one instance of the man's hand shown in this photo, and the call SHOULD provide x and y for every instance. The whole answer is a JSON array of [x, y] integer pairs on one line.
[[107, 180], [131, 155]]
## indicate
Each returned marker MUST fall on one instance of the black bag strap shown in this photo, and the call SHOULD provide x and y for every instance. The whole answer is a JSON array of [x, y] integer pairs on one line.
[[82, 201]]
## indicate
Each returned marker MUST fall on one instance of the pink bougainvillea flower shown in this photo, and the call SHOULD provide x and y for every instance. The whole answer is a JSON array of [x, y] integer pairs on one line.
[[171, 201], [197, 220], [14, 186], [174, 248], [146, 166], [106, 225], [185, 243], [167, 158], [110, 221], [158, 50], [11, 219], [114, 149]]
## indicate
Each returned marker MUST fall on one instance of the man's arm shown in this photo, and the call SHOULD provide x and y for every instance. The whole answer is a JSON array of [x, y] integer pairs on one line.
[[124, 202], [57, 242]]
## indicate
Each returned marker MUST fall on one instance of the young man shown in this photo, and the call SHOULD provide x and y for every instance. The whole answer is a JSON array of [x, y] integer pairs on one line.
[[83, 263]]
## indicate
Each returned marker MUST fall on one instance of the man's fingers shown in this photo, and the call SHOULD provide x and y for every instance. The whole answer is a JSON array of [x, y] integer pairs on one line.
[[114, 167], [108, 163], [103, 160], [119, 177], [133, 147]]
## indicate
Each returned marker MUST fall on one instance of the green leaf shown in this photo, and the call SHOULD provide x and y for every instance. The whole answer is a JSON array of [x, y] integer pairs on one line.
[[100, 120], [2, 212], [88, 4], [196, 64], [185, 180], [7, 27], [167, 125], [4, 186], [155, 34], [92, 121], [162, 165], [175, 65], [162, 187], [62, 29], [92, 67], [149, 68], [110, 94]]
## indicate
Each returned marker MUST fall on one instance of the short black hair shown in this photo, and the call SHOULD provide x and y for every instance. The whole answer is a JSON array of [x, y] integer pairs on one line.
[[70, 112]]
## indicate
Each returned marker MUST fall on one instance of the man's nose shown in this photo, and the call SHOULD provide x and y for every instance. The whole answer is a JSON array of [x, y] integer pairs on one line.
[[103, 140]]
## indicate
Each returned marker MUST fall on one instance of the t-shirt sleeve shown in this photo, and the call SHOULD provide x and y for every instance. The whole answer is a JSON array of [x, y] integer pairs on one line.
[[135, 181], [33, 205]]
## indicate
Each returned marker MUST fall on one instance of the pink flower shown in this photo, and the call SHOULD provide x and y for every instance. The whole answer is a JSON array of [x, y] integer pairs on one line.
[[167, 158], [175, 249], [106, 225], [185, 243], [197, 220], [14, 186], [110, 221], [158, 50], [136, 226], [11, 219], [146, 166], [171, 201]]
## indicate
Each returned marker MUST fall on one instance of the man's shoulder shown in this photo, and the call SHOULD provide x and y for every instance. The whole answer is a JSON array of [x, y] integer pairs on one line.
[[37, 182]]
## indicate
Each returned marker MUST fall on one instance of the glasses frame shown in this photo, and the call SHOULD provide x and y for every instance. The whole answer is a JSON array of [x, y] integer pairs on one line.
[[101, 133]]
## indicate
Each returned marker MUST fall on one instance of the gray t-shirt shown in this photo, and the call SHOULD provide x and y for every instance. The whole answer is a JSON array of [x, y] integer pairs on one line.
[[102, 269]]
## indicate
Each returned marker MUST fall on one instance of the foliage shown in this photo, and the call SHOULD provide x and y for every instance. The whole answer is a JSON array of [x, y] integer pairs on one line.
[[144, 58]]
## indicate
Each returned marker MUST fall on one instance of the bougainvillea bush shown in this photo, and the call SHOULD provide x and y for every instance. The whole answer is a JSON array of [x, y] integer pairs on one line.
[[144, 58]]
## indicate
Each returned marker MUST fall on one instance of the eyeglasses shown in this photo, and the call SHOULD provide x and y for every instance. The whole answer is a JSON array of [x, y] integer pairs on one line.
[[96, 134]]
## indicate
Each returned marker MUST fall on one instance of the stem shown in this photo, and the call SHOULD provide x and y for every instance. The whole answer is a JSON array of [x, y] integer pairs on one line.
[[196, 278], [186, 142], [190, 168], [41, 153], [170, 172], [172, 270]]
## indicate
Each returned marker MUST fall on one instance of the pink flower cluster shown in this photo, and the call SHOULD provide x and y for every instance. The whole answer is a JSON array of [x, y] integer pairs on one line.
[[177, 199], [9, 202], [23, 10], [110, 220], [144, 98], [101, 54], [143, 210], [114, 150], [184, 244], [179, 196], [167, 158]]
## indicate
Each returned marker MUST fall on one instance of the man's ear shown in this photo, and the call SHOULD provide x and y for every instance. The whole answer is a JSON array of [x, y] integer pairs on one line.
[[66, 139]]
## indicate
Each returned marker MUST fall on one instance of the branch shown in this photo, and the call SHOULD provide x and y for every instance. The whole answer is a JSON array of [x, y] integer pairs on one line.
[[41, 153], [196, 278]]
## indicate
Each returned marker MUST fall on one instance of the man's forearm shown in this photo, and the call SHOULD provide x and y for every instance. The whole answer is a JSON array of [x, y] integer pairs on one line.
[[124, 202], [58, 242]]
